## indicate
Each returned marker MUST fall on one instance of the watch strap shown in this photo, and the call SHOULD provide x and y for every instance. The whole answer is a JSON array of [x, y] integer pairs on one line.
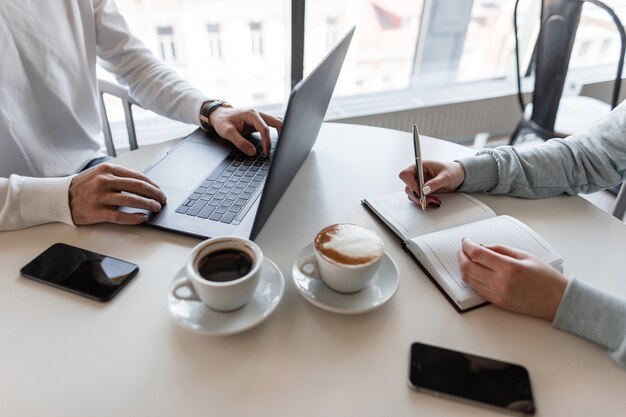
[[207, 108]]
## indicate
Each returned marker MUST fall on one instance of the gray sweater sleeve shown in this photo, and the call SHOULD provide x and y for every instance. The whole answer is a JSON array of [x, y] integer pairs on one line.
[[582, 163], [596, 315]]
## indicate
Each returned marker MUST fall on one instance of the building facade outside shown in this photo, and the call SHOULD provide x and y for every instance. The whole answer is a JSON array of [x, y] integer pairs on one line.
[[239, 50]]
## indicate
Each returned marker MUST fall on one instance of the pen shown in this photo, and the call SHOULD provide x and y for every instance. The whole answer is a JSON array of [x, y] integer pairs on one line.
[[418, 164]]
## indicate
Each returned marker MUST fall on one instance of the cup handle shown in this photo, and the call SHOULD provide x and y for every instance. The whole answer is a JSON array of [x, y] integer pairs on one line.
[[185, 284], [309, 260]]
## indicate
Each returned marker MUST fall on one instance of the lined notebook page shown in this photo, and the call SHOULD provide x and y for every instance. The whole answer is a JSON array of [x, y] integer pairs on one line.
[[440, 248], [408, 220]]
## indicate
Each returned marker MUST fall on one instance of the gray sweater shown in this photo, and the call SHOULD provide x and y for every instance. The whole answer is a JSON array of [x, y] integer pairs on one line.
[[582, 163]]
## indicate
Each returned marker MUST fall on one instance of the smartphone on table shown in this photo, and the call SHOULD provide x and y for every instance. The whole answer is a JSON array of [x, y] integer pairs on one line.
[[472, 379], [80, 271]]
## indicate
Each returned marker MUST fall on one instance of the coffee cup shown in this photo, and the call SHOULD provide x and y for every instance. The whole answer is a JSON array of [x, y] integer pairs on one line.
[[346, 257], [222, 273]]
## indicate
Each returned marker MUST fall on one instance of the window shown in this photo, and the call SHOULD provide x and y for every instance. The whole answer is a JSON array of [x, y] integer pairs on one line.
[[215, 43], [331, 32], [259, 96], [606, 46], [427, 44], [387, 19], [381, 54], [212, 43], [584, 49], [402, 45], [488, 50], [166, 43], [419, 44], [597, 42], [257, 38]]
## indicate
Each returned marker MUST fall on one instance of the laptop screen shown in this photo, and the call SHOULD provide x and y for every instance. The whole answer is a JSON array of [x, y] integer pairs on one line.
[[306, 109]]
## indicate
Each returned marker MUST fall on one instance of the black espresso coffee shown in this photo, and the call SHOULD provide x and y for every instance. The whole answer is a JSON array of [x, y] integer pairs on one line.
[[225, 265]]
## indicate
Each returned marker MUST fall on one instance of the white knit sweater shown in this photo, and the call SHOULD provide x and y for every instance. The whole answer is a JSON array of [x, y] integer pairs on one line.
[[49, 106]]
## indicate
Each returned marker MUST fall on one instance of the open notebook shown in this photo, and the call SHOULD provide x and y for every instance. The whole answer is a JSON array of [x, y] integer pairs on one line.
[[433, 237]]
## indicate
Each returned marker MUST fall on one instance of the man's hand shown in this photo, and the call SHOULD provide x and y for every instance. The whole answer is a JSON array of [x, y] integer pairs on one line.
[[439, 177], [512, 279], [95, 194], [233, 124]]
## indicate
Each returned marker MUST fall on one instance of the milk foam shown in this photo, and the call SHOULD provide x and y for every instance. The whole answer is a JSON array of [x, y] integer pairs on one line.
[[354, 241]]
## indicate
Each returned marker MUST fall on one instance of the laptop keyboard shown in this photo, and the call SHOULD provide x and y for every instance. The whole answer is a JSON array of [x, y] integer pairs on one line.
[[224, 195]]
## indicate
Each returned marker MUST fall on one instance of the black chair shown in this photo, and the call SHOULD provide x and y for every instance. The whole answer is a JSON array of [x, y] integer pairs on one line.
[[559, 21]]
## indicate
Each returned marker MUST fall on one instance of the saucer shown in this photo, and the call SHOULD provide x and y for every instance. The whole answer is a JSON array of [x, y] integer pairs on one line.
[[382, 288], [195, 316]]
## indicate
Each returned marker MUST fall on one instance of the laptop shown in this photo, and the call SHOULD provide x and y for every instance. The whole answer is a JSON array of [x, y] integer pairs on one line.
[[213, 189]]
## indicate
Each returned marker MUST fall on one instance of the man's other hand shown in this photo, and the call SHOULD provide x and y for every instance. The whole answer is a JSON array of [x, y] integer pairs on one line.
[[233, 124], [96, 193]]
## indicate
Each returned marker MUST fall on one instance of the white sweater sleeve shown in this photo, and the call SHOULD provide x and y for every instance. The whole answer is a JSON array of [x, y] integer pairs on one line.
[[150, 81], [26, 201]]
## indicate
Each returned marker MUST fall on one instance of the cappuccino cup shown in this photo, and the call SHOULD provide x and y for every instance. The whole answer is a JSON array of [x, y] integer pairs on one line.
[[346, 257], [222, 273]]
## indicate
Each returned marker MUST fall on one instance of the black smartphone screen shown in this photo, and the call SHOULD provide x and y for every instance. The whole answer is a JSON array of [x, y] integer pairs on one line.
[[80, 271], [471, 378]]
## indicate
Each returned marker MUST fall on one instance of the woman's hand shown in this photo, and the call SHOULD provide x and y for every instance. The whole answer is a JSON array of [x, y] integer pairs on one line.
[[512, 279], [438, 176]]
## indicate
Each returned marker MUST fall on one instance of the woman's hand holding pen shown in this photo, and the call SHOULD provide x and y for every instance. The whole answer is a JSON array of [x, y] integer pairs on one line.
[[508, 278], [442, 177]]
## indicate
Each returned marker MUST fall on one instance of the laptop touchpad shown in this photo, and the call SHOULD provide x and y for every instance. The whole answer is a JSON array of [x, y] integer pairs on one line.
[[187, 165]]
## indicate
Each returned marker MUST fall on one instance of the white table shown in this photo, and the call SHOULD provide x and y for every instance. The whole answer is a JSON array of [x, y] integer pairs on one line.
[[62, 355]]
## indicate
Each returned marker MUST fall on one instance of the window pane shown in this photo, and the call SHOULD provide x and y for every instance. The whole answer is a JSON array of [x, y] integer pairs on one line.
[[215, 41], [423, 44], [597, 40], [382, 51], [237, 50], [256, 32], [164, 30], [489, 48]]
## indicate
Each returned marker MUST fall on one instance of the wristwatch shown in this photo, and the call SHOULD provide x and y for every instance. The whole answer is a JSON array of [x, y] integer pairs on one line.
[[207, 108]]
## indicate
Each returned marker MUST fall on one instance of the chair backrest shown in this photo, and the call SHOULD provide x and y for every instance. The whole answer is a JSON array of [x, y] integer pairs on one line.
[[121, 93], [559, 21]]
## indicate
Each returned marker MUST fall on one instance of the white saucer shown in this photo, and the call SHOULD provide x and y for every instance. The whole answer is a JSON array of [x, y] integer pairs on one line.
[[383, 287], [195, 316]]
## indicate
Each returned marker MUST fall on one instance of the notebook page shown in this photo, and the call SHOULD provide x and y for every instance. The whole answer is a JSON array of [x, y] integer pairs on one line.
[[440, 248], [408, 220]]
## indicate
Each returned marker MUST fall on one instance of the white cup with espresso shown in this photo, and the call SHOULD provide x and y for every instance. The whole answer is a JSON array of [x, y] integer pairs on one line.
[[346, 257], [222, 273]]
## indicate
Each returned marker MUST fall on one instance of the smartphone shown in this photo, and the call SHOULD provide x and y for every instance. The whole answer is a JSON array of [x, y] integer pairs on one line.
[[80, 271], [472, 379]]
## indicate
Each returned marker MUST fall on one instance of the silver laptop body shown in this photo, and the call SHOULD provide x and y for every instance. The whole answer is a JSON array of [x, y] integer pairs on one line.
[[214, 190]]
